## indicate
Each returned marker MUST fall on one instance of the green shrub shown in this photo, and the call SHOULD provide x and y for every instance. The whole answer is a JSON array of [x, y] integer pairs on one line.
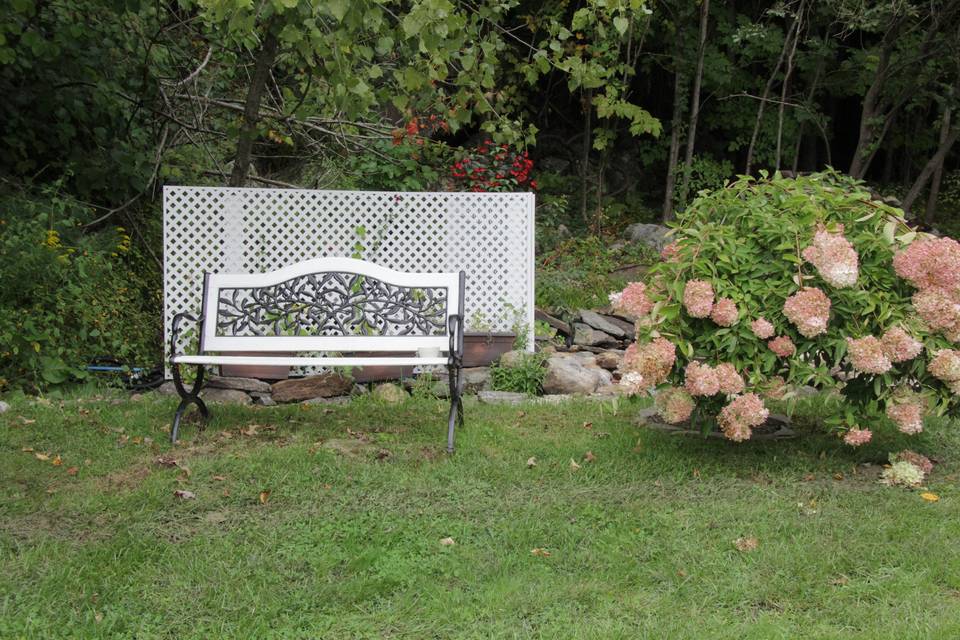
[[581, 272], [68, 297], [783, 281], [524, 377]]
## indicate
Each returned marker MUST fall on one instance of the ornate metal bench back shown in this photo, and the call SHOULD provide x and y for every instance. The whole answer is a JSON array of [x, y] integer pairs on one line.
[[326, 304]]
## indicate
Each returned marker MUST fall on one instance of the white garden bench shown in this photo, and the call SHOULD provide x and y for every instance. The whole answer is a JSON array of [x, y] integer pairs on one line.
[[312, 313]]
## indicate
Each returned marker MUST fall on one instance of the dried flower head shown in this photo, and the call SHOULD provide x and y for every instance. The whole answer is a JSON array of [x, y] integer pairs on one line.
[[670, 253], [918, 460], [782, 346], [701, 379], [856, 437], [724, 312], [674, 405], [834, 258], [903, 473], [632, 383], [731, 383], [945, 366], [634, 301], [653, 360], [738, 418], [698, 298], [762, 328], [899, 345], [930, 262], [908, 416], [809, 311], [867, 356]]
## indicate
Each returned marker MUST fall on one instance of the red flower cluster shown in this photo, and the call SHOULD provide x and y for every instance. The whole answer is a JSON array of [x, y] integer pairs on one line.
[[492, 167], [420, 128]]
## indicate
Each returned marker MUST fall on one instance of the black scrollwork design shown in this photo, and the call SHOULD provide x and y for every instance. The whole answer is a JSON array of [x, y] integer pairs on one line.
[[332, 304]]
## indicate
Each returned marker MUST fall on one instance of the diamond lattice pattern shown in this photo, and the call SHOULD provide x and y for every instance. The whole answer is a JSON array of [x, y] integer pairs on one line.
[[229, 230]]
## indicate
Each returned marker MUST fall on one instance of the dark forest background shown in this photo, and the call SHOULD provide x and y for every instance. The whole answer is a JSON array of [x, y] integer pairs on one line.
[[626, 109]]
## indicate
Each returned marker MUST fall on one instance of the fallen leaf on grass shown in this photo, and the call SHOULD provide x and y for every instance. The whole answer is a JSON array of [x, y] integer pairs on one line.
[[447, 542], [98, 617], [42, 456], [167, 461], [251, 430], [930, 497], [531, 462], [26, 420], [27, 449], [72, 471], [589, 457], [382, 454], [588, 425], [543, 553], [809, 477], [264, 496], [57, 460], [573, 465], [840, 580], [219, 478], [183, 494], [746, 544], [838, 476]]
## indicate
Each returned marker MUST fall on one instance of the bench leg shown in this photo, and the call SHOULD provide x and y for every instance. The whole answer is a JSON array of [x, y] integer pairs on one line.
[[187, 398], [456, 404]]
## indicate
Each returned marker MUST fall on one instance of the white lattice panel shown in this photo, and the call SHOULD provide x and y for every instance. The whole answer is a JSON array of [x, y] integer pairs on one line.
[[229, 230]]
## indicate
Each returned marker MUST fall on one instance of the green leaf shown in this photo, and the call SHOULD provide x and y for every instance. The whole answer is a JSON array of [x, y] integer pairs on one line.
[[620, 24]]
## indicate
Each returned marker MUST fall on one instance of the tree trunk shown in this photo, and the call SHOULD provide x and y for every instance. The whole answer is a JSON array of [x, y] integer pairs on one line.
[[764, 97], [786, 84], [936, 161], [674, 143], [938, 172], [585, 154], [695, 103], [251, 109]]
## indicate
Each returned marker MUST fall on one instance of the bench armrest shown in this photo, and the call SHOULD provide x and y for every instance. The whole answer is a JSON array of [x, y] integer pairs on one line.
[[175, 329], [455, 328]]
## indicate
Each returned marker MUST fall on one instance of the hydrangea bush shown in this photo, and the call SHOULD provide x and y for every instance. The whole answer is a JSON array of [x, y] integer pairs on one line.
[[775, 283]]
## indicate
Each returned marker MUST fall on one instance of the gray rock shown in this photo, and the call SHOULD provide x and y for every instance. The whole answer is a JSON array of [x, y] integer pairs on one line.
[[167, 389], [628, 327], [584, 334], [4, 407], [389, 392], [476, 379], [513, 358], [595, 320], [440, 389], [241, 384], [264, 401], [501, 397], [609, 360], [652, 235], [333, 400], [325, 385], [225, 396], [567, 375]]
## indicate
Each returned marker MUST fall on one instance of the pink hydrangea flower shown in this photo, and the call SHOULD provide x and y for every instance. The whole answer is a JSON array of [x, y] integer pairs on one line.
[[670, 253], [730, 381], [899, 345], [856, 437], [652, 360], [632, 383], [908, 416], [918, 460], [674, 405], [938, 307], [834, 258], [633, 300], [867, 356], [775, 388], [809, 311], [930, 262], [701, 380], [945, 366], [782, 346], [724, 312], [698, 298], [762, 328], [738, 418]]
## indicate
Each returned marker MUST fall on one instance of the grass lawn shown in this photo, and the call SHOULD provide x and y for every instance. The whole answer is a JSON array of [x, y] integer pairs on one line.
[[301, 529]]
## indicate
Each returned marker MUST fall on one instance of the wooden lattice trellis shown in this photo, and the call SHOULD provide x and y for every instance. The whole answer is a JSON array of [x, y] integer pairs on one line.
[[228, 230]]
